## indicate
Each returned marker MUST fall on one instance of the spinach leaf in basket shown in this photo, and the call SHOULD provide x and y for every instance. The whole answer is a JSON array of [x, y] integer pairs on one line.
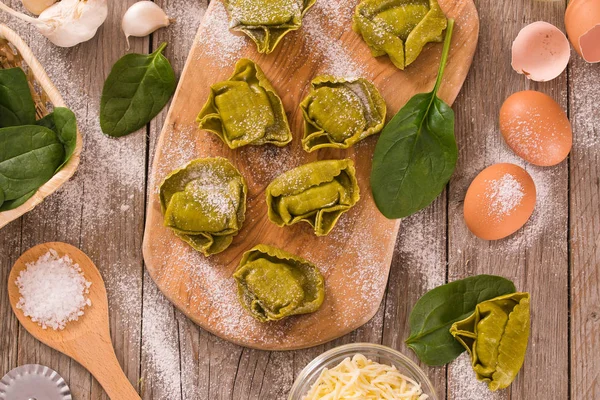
[[416, 152], [137, 88], [436, 311], [12, 204], [16, 104], [29, 157], [63, 122]]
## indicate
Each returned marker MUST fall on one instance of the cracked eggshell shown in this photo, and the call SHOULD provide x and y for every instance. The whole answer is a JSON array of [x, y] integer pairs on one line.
[[541, 52], [582, 21]]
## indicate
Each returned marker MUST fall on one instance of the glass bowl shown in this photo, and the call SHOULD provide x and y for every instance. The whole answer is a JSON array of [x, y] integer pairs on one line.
[[375, 352]]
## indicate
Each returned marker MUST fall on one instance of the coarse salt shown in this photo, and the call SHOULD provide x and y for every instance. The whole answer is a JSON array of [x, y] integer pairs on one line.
[[53, 291]]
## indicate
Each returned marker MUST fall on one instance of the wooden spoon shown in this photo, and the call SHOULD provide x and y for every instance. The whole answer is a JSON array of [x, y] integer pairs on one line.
[[87, 340]]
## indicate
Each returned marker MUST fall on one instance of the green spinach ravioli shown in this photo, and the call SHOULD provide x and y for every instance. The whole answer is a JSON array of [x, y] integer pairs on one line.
[[317, 193], [266, 22], [340, 112], [495, 337], [245, 110], [274, 284], [204, 203], [399, 28]]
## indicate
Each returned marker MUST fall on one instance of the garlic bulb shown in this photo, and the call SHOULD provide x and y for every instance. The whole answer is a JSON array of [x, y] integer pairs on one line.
[[37, 6], [68, 22], [143, 18]]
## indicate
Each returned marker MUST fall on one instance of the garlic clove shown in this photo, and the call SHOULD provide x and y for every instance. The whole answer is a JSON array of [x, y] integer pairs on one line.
[[143, 18], [68, 22], [37, 6]]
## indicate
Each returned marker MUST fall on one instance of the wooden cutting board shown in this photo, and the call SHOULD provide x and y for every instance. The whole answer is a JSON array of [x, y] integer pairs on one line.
[[355, 258]]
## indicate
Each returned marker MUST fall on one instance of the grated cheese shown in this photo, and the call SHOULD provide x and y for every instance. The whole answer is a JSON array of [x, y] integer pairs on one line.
[[361, 378]]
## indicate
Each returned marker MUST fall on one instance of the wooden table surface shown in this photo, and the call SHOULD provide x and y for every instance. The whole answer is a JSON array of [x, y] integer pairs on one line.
[[555, 256]]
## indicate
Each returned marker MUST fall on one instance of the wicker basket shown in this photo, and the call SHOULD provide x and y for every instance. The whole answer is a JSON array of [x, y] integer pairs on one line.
[[15, 53]]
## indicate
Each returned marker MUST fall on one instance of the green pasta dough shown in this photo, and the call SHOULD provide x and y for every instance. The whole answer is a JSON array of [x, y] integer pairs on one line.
[[399, 28], [266, 22], [340, 112], [245, 110], [496, 336], [273, 284], [204, 203], [317, 193]]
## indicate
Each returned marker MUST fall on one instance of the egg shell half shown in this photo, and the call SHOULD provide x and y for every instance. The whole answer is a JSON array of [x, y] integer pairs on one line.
[[499, 201], [536, 128], [582, 21], [540, 51]]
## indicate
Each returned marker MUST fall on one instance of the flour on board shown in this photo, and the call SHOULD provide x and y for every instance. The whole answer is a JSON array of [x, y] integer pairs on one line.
[[217, 40]]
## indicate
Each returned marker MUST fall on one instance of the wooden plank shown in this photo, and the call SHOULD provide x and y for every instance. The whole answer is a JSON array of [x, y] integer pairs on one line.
[[585, 229], [535, 258], [419, 265], [10, 243], [262, 375], [207, 365], [101, 209]]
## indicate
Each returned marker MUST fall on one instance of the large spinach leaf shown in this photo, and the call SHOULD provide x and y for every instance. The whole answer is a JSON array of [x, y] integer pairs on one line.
[[436, 311], [416, 153], [16, 104], [12, 204], [137, 88], [29, 157], [63, 122]]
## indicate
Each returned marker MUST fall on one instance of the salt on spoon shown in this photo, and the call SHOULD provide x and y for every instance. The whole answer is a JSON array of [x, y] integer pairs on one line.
[[143, 18], [87, 340], [37, 6], [68, 22]]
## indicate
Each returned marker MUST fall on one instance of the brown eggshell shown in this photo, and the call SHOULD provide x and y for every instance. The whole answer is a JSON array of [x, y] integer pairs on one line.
[[536, 128], [582, 21], [540, 51], [499, 201]]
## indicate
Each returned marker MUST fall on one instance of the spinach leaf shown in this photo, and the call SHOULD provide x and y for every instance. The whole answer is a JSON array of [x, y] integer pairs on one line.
[[16, 104], [63, 122], [137, 88], [416, 153], [29, 157], [436, 311], [12, 204]]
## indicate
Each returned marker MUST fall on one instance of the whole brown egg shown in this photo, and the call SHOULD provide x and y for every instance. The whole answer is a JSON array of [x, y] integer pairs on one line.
[[536, 128]]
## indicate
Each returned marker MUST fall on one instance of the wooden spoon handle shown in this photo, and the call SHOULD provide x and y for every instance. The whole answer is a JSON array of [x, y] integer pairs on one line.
[[97, 355], [108, 372]]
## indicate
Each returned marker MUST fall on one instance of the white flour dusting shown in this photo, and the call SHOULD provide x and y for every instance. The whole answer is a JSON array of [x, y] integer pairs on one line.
[[504, 195], [217, 40], [462, 382], [420, 246], [160, 342], [586, 131], [321, 26]]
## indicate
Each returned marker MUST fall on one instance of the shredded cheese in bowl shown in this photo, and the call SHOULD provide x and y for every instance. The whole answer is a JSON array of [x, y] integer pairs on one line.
[[361, 378]]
